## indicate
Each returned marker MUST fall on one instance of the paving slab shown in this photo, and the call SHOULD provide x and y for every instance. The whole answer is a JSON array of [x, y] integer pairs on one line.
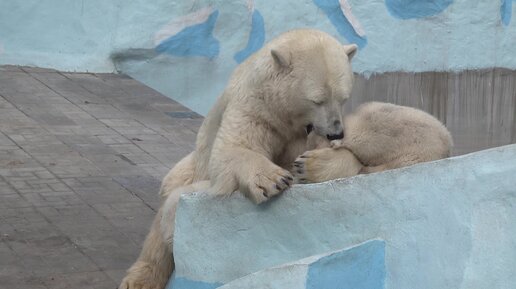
[[81, 160]]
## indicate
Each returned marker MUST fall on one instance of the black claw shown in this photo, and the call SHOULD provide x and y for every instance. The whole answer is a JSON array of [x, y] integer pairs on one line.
[[297, 163], [265, 194], [303, 156], [302, 180], [290, 178], [278, 188], [285, 181], [299, 171]]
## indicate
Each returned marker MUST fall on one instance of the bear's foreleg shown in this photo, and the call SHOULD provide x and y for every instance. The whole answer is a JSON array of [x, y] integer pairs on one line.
[[256, 176], [325, 164]]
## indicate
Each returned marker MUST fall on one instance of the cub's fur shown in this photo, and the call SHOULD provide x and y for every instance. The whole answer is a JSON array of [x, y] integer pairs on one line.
[[378, 136]]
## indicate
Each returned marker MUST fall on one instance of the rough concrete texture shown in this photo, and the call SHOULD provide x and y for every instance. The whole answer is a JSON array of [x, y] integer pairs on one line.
[[359, 267], [81, 161], [446, 224]]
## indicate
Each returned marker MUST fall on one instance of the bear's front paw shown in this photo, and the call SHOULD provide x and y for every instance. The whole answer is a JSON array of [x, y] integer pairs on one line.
[[267, 184]]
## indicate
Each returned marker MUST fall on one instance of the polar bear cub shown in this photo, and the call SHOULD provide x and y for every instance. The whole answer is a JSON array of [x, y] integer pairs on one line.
[[378, 136]]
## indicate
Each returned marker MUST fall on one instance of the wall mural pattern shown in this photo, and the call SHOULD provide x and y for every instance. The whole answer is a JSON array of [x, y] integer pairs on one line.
[[173, 46], [256, 38], [506, 11], [197, 39], [407, 9], [193, 40]]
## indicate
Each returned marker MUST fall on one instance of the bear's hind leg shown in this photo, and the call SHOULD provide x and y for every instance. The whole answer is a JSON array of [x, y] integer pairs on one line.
[[154, 265], [325, 164], [181, 174]]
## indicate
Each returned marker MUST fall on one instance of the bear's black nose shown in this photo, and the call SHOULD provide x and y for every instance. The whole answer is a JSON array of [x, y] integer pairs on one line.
[[335, 136], [309, 128]]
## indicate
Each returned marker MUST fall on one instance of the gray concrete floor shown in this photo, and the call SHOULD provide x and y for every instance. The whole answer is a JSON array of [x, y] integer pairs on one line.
[[81, 159]]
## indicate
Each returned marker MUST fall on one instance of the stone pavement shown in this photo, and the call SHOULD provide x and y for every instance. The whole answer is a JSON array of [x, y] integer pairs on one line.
[[81, 159]]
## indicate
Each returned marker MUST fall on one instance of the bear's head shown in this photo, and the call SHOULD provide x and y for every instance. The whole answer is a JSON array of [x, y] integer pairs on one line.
[[313, 74]]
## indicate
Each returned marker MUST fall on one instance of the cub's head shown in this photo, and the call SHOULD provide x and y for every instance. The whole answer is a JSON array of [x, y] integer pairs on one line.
[[316, 79]]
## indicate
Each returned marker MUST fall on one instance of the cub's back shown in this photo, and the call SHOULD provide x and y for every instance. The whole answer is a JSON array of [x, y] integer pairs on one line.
[[379, 132]]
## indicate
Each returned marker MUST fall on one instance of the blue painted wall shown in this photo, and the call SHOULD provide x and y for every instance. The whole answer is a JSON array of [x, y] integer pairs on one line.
[[184, 283], [333, 11], [175, 45], [362, 267], [256, 38], [359, 267], [409, 9], [506, 11], [195, 40]]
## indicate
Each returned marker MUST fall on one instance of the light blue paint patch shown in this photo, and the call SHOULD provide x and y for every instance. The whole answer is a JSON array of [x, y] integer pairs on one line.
[[184, 283], [409, 9], [195, 40], [361, 267], [506, 11], [256, 38], [332, 10]]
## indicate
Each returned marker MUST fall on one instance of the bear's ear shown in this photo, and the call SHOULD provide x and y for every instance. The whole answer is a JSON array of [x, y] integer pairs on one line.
[[351, 50], [282, 58]]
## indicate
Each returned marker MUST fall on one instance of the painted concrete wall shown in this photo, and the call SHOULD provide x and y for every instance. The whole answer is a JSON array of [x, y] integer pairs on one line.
[[358, 267], [446, 224], [187, 49], [396, 35], [81, 35]]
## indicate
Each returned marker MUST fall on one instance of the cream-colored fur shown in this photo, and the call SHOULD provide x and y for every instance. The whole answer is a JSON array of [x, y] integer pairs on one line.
[[253, 133], [169, 208], [378, 136]]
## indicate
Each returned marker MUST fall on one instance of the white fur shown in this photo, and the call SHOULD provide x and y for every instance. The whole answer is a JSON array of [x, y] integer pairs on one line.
[[253, 133], [378, 136]]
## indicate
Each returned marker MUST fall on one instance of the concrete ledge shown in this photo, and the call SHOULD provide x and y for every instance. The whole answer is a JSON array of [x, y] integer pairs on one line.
[[446, 224]]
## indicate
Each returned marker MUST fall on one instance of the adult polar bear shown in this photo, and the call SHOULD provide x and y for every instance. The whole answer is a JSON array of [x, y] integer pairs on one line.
[[256, 129]]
